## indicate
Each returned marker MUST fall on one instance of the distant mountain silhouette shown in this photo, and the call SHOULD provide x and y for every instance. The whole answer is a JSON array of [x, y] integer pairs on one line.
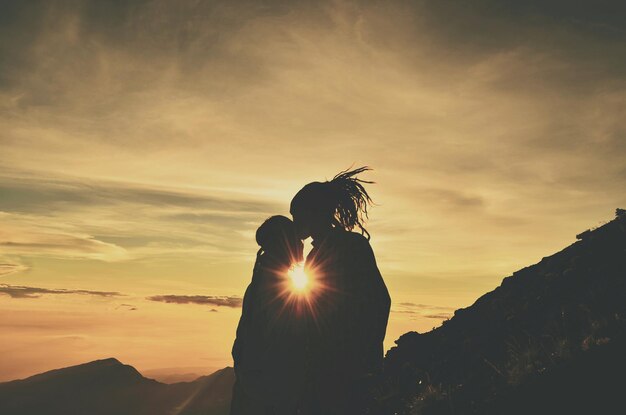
[[177, 374], [112, 388], [551, 339]]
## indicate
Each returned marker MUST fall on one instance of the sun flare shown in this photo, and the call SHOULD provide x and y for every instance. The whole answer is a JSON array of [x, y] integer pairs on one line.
[[299, 279]]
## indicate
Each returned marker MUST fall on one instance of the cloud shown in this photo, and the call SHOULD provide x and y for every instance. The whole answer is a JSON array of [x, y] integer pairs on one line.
[[452, 199], [423, 306], [45, 195], [439, 316], [41, 236], [224, 301], [17, 291], [94, 219], [423, 310], [8, 268]]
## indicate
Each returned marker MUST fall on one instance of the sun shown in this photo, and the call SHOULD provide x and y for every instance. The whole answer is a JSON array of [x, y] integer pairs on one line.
[[299, 279]]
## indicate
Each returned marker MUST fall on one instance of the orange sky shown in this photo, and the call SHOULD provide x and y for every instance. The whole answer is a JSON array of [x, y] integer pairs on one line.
[[142, 143]]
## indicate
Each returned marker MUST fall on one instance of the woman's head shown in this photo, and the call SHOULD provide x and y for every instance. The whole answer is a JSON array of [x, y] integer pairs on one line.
[[278, 239], [341, 202]]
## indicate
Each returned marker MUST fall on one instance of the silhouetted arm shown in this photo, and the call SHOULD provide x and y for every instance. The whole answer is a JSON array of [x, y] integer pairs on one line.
[[243, 326]]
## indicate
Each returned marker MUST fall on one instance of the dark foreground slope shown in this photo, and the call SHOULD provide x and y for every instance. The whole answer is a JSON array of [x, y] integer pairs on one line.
[[110, 387], [551, 339]]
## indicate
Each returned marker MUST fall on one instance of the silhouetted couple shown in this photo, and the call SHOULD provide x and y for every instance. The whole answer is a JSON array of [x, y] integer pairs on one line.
[[316, 347]]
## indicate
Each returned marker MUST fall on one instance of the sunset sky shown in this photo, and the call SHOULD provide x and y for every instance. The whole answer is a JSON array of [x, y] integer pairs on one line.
[[142, 143]]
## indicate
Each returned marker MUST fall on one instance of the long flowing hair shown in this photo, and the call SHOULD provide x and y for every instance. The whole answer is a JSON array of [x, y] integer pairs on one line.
[[351, 200], [343, 201]]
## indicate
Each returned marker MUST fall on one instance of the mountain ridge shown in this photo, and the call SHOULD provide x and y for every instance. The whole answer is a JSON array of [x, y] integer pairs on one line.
[[107, 386], [110, 364]]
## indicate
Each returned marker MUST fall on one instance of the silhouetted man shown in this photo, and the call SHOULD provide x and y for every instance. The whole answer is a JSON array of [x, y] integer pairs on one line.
[[350, 303]]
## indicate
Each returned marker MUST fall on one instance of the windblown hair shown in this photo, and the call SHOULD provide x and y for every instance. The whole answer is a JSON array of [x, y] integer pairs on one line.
[[343, 199], [351, 200]]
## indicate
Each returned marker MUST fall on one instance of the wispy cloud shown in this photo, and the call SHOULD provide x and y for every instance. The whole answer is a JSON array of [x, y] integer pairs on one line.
[[439, 316], [49, 236], [93, 219], [225, 301], [18, 291], [423, 310], [8, 268], [52, 195], [417, 306]]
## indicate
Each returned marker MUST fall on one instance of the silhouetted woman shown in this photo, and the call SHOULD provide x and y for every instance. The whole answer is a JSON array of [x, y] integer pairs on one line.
[[268, 352], [352, 303]]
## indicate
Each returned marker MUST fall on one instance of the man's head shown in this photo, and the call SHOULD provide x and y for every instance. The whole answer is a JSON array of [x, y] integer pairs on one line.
[[313, 209], [341, 202]]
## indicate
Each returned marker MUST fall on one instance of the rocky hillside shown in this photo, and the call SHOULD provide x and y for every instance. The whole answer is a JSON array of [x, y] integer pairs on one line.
[[107, 387], [550, 339]]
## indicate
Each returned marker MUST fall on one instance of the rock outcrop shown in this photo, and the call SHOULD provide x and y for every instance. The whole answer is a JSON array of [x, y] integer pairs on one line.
[[551, 335]]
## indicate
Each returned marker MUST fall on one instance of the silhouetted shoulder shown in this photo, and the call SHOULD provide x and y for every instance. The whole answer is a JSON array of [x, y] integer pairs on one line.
[[355, 243], [354, 238]]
